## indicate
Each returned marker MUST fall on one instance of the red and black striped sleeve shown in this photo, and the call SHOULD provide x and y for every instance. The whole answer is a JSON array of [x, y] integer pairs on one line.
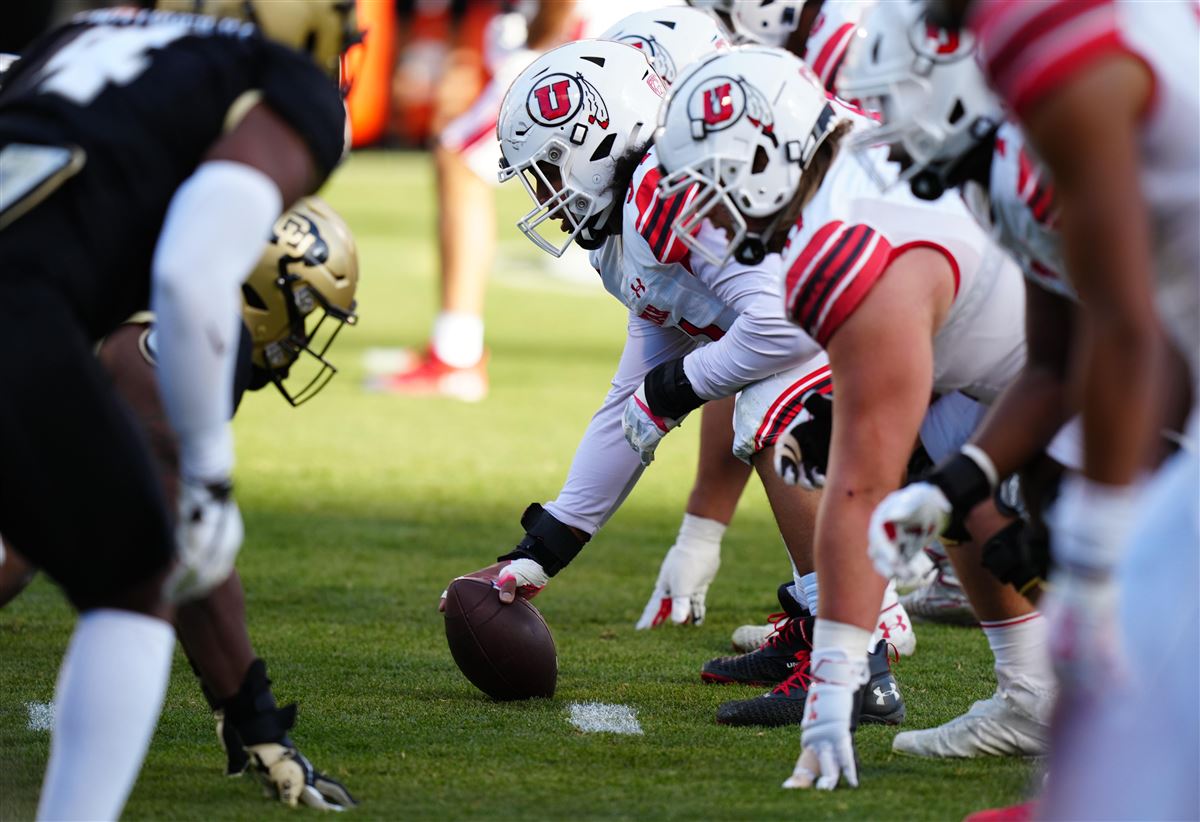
[[655, 216], [832, 275], [1029, 48]]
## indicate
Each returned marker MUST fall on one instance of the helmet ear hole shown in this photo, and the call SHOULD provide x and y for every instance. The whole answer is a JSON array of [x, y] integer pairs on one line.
[[761, 161], [957, 112], [252, 298]]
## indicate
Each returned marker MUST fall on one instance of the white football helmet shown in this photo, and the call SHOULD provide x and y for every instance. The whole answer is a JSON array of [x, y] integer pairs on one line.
[[564, 123], [741, 127], [671, 37], [927, 86], [767, 22]]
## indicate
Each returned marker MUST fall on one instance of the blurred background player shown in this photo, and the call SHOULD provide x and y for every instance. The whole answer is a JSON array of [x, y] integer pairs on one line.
[[296, 300], [254, 124], [1107, 94], [466, 161]]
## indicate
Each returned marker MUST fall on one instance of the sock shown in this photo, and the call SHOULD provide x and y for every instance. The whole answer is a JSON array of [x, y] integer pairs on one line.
[[1022, 654], [850, 640], [458, 338], [808, 584], [797, 593], [107, 701], [887, 618]]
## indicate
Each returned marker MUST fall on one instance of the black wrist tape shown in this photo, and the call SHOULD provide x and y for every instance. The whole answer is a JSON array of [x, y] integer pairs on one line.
[[252, 710], [669, 392], [963, 482], [547, 541]]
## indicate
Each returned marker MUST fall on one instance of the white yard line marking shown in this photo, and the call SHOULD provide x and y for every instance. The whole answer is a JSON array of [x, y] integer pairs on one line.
[[41, 715], [601, 717]]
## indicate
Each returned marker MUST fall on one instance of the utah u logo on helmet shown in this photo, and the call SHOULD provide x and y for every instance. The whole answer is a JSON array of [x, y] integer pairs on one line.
[[722, 101], [559, 97]]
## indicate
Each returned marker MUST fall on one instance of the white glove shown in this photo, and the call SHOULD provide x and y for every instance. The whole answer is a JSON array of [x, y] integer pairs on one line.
[[1089, 526], [521, 577], [643, 429], [902, 525], [687, 571], [826, 745], [208, 536], [286, 775]]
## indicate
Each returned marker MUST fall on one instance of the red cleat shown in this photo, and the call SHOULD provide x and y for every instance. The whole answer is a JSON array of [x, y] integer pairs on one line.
[[1013, 813], [429, 376]]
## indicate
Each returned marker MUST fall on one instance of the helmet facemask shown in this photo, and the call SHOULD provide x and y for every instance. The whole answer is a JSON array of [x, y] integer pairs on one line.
[[305, 337], [545, 177]]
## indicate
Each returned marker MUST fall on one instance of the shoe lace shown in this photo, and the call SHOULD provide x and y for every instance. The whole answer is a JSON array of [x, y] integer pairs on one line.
[[800, 678], [783, 627]]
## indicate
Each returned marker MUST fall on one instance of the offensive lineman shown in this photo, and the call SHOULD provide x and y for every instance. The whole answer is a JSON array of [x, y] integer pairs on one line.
[[119, 134]]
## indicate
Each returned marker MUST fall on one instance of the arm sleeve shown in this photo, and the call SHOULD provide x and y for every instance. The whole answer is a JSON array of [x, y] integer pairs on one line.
[[605, 468], [759, 343], [196, 298]]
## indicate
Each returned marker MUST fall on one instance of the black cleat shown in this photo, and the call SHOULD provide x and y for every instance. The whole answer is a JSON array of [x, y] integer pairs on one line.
[[880, 700], [776, 660], [882, 703]]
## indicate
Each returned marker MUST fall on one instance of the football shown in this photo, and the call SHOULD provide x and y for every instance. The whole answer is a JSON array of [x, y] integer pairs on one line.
[[506, 651]]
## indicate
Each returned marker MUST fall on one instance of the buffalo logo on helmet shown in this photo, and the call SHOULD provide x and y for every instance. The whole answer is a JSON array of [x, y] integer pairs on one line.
[[720, 102], [659, 58], [300, 236], [557, 98]]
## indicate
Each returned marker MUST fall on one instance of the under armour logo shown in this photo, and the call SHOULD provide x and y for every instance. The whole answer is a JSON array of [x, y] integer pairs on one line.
[[638, 287], [882, 695], [900, 627]]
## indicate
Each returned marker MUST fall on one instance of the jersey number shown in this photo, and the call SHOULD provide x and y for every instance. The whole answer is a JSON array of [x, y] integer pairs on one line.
[[83, 67]]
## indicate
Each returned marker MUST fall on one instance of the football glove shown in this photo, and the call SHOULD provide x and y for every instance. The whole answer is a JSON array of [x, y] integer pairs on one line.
[[826, 740], [802, 451], [288, 776], [902, 525], [511, 578], [643, 428], [687, 571], [208, 536], [1089, 525]]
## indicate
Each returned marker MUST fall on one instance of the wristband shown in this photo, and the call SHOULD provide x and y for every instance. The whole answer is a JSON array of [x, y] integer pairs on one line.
[[547, 541], [966, 479], [669, 392]]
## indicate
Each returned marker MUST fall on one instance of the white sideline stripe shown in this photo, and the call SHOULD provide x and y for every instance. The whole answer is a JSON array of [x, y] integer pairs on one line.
[[604, 718], [41, 715]]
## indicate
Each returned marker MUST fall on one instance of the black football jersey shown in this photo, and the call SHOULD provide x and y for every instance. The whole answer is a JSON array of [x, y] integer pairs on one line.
[[137, 98]]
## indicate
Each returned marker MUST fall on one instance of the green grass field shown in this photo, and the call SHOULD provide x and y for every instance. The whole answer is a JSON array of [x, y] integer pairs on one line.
[[360, 507]]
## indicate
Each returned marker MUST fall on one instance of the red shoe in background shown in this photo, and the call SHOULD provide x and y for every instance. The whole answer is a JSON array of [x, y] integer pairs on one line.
[[429, 376]]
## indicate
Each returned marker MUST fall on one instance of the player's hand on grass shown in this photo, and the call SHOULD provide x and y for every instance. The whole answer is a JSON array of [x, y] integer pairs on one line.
[[902, 525], [644, 429], [826, 743], [208, 536], [288, 776], [802, 451], [679, 594], [511, 578]]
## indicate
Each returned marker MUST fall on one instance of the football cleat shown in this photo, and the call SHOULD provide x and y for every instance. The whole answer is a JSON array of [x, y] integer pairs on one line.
[[941, 600], [882, 703], [748, 638], [431, 377], [996, 726], [775, 659], [895, 628]]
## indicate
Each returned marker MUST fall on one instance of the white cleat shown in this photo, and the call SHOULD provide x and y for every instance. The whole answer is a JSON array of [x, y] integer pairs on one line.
[[993, 727], [895, 628], [942, 600], [747, 638]]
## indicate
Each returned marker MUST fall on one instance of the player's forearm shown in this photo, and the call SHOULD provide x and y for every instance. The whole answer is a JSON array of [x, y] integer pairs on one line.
[[548, 27], [754, 348], [204, 253], [1024, 419]]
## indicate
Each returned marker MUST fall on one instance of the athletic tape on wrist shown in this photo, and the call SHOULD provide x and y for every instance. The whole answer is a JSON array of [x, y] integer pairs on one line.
[[669, 392], [547, 541]]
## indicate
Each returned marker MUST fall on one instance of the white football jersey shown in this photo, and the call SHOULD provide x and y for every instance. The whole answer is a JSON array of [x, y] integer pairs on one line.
[[830, 36], [1018, 207], [1031, 49], [847, 238]]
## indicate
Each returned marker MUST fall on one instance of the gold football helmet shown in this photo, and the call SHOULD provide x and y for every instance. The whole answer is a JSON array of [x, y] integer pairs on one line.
[[323, 29], [299, 297]]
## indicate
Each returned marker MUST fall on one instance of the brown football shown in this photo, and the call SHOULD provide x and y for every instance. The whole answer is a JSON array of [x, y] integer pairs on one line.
[[506, 651]]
